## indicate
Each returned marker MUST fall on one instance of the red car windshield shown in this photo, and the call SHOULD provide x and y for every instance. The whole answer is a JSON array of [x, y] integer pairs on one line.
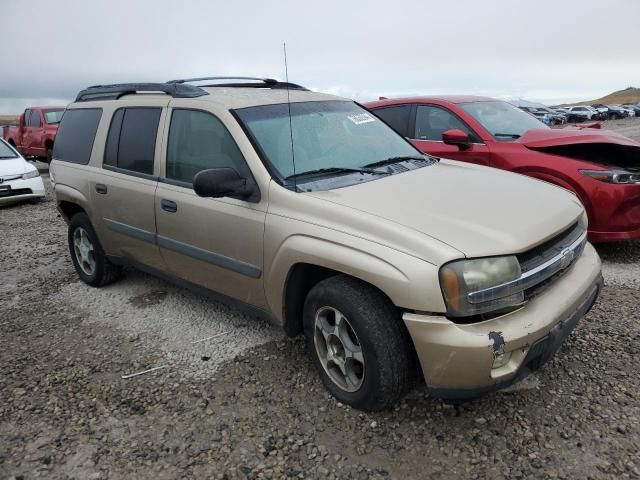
[[501, 119]]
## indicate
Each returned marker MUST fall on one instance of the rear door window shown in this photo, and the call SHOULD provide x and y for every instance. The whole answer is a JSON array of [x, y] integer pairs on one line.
[[397, 117], [131, 143], [77, 131]]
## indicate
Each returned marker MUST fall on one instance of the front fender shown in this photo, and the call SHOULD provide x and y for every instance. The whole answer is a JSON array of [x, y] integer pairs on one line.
[[409, 282]]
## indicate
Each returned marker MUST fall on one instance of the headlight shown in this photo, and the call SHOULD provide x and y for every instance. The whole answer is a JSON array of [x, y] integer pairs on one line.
[[584, 221], [618, 176], [460, 278], [31, 174]]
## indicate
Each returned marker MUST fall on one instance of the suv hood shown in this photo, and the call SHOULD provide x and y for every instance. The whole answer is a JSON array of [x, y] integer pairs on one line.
[[479, 211], [541, 138]]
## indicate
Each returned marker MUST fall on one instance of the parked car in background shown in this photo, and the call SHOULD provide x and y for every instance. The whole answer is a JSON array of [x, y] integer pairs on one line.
[[544, 117], [557, 118], [616, 112], [315, 214], [36, 131], [630, 111], [19, 179], [584, 112], [603, 109], [634, 107], [601, 167]]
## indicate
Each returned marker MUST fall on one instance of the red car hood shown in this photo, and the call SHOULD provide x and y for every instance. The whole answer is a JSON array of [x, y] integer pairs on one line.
[[541, 138]]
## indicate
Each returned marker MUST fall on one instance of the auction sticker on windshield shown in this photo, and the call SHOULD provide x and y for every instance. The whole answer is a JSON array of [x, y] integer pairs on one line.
[[361, 118]]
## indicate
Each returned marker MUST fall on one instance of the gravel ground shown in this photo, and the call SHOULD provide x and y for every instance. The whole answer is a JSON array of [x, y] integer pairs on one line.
[[247, 403]]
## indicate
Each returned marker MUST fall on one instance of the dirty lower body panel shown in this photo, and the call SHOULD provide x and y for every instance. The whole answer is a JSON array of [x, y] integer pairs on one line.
[[465, 360]]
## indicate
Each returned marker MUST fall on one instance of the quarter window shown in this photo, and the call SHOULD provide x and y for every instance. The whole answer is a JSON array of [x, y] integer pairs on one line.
[[131, 143], [199, 141], [396, 117], [77, 131], [432, 122]]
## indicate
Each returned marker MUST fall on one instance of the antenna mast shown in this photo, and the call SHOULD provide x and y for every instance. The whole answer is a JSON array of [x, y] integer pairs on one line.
[[286, 75]]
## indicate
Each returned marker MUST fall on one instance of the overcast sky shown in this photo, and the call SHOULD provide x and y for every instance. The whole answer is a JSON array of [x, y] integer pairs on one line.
[[544, 50]]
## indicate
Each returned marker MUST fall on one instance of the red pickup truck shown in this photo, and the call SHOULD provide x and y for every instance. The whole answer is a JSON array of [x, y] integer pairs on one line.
[[36, 131]]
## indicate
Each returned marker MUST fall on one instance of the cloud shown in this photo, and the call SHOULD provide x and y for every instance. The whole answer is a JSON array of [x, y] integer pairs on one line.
[[357, 49]]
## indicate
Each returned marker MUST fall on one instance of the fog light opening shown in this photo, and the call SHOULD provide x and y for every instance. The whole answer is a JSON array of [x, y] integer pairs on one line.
[[501, 359]]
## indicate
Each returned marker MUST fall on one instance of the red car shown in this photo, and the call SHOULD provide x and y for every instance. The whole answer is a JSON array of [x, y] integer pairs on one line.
[[36, 132], [601, 167]]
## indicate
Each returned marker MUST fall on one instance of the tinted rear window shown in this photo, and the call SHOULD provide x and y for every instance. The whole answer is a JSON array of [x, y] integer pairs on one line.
[[396, 117], [77, 131], [131, 143]]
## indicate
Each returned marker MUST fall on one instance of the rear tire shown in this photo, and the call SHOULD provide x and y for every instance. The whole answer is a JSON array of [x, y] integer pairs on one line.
[[49, 156], [358, 343], [89, 260]]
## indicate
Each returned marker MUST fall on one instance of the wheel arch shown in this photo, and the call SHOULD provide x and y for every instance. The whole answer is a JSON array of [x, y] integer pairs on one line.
[[302, 262], [70, 201]]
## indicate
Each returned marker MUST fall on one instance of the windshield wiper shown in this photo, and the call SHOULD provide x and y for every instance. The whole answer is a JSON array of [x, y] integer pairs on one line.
[[391, 160], [510, 135], [320, 171], [4, 157]]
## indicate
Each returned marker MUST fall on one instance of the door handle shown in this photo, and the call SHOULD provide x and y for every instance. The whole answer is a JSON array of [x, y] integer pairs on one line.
[[101, 188], [169, 206]]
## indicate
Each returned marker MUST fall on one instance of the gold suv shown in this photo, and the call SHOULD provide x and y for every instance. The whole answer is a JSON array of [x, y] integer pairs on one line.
[[307, 209]]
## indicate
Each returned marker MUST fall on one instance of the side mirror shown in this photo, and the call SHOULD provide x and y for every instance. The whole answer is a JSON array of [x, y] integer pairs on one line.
[[457, 137], [225, 182]]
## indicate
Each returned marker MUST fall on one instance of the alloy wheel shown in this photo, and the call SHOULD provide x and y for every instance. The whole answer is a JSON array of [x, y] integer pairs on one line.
[[84, 251], [338, 349]]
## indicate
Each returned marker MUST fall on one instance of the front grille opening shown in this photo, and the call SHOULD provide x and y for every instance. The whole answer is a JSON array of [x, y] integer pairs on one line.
[[549, 249], [15, 191]]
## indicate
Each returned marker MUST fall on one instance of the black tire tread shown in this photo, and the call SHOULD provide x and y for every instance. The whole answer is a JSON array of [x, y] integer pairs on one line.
[[384, 329], [106, 272]]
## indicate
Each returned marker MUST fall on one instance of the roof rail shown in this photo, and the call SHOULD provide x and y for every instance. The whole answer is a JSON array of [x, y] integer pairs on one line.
[[113, 92], [260, 82]]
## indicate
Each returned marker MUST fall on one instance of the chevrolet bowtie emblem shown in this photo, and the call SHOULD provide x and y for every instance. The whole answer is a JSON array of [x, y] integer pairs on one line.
[[567, 257]]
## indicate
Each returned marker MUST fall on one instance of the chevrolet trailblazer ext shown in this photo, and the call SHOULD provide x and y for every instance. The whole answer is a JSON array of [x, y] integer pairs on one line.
[[396, 266]]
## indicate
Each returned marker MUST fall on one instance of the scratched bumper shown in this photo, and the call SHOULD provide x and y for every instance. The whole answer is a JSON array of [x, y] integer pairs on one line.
[[457, 359]]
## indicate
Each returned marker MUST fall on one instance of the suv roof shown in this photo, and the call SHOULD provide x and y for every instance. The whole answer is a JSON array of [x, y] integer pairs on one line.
[[249, 92]]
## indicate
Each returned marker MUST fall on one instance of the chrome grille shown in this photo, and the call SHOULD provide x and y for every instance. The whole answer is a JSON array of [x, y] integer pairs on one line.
[[540, 266]]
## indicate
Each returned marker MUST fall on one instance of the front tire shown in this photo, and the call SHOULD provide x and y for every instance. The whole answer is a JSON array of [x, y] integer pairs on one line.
[[89, 260], [358, 343]]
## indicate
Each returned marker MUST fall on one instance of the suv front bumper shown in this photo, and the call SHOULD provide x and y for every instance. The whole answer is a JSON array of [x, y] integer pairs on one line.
[[457, 360]]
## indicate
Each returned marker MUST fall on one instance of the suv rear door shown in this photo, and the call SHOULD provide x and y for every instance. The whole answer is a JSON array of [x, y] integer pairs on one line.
[[213, 242], [124, 192]]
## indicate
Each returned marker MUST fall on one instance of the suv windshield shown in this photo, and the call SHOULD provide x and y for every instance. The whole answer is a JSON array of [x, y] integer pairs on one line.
[[6, 151], [330, 138], [53, 116], [501, 119]]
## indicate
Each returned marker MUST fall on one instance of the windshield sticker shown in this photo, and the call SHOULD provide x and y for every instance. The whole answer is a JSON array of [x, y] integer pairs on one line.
[[361, 118]]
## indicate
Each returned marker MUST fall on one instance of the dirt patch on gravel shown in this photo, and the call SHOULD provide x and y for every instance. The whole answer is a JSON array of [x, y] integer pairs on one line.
[[256, 408]]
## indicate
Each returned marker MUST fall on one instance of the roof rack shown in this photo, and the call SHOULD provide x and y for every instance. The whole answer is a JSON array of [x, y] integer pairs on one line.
[[253, 82], [113, 92]]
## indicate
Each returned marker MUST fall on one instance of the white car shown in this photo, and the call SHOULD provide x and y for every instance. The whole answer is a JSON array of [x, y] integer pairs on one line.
[[585, 112], [19, 180], [630, 111]]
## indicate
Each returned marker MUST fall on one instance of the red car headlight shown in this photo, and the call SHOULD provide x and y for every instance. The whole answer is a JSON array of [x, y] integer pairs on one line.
[[617, 176]]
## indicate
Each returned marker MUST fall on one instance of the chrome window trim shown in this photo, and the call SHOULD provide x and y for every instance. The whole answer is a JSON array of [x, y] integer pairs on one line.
[[534, 276]]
